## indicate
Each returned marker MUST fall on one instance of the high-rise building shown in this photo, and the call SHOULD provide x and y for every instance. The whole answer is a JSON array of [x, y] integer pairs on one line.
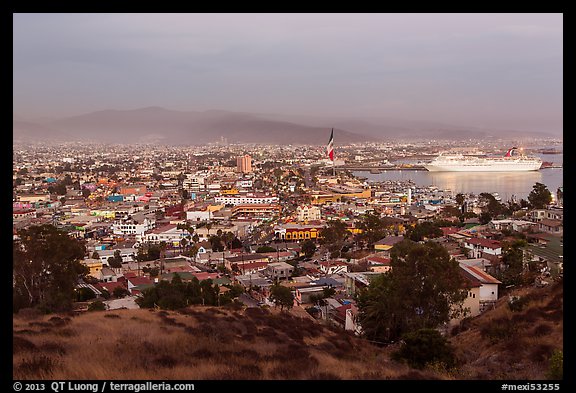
[[244, 163]]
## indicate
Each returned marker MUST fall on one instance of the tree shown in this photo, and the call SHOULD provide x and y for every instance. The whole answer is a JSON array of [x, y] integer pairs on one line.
[[540, 196], [513, 261], [83, 294], [116, 260], [308, 248], [120, 292], [423, 289], [281, 296], [265, 249], [46, 267], [423, 230], [490, 205], [334, 235], [373, 228]]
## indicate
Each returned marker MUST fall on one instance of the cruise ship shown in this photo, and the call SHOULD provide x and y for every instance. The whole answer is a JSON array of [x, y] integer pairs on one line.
[[461, 163]]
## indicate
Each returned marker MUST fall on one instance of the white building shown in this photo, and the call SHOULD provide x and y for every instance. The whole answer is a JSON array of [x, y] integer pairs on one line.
[[127, 228], [167, 233], [307, 213], [249, 199]]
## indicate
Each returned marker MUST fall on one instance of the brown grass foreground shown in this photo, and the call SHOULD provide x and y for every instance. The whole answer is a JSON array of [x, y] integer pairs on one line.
[[209, 343], [199, 343]]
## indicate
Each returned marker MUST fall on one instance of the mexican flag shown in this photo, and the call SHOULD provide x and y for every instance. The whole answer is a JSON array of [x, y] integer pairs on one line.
[[330, 147]]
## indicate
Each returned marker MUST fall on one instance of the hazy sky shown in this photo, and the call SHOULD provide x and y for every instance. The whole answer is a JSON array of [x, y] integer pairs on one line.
[[487, 70]]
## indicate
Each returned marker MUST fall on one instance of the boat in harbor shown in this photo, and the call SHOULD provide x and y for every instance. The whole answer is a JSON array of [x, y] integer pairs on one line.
[[511, 162]]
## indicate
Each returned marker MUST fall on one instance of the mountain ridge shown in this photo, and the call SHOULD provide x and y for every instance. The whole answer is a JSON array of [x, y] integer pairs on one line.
[[176, 127]]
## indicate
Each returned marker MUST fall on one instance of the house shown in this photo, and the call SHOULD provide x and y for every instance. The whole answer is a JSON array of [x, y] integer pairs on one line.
[[303, 294], [127, 254], [354, 281], [137, 285], [479, 247], [279, 270], [548, 251], [333, 267], [551, 226], [509, 224], [378, 264], [110, 286], [107, 275], [95, 265], [484, 264], [387, 243], [488, 292], [351, 322]]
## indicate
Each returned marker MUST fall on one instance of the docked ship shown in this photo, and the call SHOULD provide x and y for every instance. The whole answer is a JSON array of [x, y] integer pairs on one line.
[[461, 163]]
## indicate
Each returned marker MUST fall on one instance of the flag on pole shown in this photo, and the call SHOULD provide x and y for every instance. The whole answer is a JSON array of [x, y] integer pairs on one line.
[[330, 147]]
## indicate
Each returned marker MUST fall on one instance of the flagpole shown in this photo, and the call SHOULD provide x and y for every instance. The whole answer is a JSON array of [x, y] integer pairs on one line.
[[334, 168]]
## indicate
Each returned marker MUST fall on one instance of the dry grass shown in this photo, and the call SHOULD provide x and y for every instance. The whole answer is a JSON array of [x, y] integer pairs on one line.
[[199, 343], [207, 343], [502, 344]]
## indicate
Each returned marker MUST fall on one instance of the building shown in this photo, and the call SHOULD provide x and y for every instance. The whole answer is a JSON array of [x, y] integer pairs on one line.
[[279, 270], [357, 280], [482, 248], [248, 199], [294, 231], [244, 164], [133, 228], [256, 210], [307, 213]]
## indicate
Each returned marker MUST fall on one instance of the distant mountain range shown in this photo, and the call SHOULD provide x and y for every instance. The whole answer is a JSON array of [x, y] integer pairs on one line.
[[170, 127]]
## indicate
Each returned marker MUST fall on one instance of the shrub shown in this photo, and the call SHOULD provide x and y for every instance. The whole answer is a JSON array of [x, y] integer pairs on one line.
[[425, 346], [517, 303], [556, 366], [97, 306]]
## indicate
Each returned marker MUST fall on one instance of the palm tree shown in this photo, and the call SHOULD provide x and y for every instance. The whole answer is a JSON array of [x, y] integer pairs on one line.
[[163, 246]]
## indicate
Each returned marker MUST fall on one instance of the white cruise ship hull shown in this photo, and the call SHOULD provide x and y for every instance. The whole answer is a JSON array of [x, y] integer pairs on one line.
[[484, 165], [478, 166]]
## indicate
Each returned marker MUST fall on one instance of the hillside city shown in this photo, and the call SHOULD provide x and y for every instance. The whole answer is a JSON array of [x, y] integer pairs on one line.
[[277, 227]]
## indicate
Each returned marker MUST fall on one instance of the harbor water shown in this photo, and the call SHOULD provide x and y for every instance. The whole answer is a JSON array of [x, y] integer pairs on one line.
[[506, 184]]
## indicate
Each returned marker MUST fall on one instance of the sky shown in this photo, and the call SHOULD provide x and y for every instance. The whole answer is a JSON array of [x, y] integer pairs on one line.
[[482, 70]]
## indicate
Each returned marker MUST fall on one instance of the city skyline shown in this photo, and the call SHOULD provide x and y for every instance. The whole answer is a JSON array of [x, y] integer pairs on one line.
[[478, 70]]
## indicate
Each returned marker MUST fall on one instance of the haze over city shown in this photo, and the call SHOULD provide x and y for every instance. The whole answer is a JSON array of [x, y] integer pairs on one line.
[[490, 71]]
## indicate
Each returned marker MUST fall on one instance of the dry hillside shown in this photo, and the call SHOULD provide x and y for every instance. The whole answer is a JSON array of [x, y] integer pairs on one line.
[[513, 345], [202, 343], [209, 343]]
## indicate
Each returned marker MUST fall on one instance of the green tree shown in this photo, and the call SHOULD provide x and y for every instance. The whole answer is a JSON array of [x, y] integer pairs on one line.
[[423, 347], [46, 267], [424, 289], [120, 292], [540, 196], [265, 249], [490, 205], [373, 228], [423, 230], [116, 260], [281, 296], [334, 235], [513, 261], [308, 248]]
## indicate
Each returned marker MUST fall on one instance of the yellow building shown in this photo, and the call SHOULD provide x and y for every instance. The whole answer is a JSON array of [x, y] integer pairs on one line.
[[95, 266]]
